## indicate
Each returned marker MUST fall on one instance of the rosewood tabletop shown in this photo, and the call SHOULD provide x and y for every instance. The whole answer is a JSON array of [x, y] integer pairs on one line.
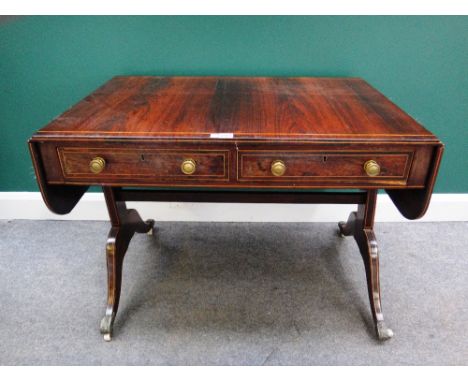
[[237, 139]]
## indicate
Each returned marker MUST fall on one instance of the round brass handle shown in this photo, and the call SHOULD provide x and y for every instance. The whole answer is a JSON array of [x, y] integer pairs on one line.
[[188, 166], [97, 165], [372, 168], [278, 168]]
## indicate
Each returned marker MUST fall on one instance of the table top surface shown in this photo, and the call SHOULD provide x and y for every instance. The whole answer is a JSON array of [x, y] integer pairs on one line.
[[264, 108]]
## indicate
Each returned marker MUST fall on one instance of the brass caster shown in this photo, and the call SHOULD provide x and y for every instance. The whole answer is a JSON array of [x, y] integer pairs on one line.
[[340, 229], [150, 222], [106, 327], [383, 332]]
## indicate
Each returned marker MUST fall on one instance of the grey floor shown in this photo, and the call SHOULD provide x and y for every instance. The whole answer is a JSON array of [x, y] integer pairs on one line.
[[232, 294]]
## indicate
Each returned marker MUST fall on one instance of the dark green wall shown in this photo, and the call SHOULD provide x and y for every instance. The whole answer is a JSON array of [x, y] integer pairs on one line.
[[49, 63]]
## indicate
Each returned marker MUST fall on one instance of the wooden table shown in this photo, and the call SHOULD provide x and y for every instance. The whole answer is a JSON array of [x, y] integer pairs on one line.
[[229, 139]]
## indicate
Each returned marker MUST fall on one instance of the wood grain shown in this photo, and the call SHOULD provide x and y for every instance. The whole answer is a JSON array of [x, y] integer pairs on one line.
[[249, 108]]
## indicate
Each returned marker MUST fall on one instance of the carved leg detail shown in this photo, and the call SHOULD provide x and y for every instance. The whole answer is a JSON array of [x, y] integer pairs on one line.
[[117, 244], [124, 225], [360, 224], [370, 255]]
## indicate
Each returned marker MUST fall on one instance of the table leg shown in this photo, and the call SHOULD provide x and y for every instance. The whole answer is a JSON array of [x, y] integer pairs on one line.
[[125, 223], [360, 224]]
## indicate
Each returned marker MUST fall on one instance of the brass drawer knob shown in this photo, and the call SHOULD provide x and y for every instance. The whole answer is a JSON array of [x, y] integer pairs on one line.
[[188, 166], [372, 168], [97, 165], [278, 168]]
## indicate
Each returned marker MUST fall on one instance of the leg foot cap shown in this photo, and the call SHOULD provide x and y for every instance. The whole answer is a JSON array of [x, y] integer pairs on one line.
[[107, 337], [340, 229], [106, 327], [383, 332], [150, 222]]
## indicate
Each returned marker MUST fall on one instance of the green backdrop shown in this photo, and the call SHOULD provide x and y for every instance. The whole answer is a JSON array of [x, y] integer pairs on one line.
[[49, 63]]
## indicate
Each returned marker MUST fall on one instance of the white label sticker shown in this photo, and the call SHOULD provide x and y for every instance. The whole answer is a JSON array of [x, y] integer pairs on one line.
[[222, 135]]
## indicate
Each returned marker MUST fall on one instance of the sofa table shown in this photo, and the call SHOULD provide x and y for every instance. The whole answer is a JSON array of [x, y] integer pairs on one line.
[[242, 140]]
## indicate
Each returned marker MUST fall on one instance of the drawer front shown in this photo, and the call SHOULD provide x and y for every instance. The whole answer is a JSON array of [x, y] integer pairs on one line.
[[310, 166], [106, 164]]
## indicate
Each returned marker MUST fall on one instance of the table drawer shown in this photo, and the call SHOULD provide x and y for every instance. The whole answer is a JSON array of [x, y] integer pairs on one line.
[[104, 164], [305, 166]]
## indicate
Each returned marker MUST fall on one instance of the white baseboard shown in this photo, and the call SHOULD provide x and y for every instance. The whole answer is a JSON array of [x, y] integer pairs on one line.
[[29, 205]]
